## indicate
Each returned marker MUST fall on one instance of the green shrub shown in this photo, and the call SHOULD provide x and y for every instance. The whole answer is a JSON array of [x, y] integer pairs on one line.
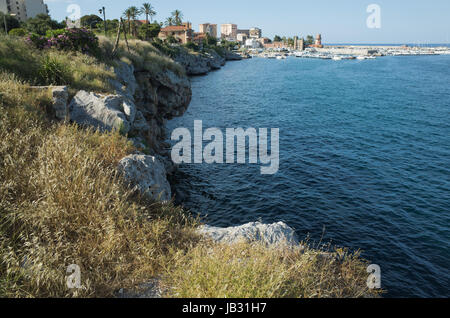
[[192, 46], [149, 31], [54, 33], [81, 40], [54, 72], [18, 32]]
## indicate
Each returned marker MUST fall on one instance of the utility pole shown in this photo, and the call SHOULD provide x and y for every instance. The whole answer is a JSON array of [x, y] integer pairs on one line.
[[102, 10]]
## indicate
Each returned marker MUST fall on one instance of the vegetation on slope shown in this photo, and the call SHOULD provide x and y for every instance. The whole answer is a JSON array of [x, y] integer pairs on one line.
[[62, 202]]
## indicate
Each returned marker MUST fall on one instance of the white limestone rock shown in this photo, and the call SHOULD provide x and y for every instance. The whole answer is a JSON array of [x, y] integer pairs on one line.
[[125, 82], [270, 234], [147, 175], [60, 96], [105, 112]]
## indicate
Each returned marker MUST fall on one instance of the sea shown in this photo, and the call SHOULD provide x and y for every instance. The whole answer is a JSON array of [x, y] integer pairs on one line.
[[364, 159]]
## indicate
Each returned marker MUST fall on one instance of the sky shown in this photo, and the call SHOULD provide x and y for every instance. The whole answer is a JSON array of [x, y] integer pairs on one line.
[[344, 21]]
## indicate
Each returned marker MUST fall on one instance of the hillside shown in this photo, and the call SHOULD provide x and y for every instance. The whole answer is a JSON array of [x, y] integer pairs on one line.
[[74, 129]]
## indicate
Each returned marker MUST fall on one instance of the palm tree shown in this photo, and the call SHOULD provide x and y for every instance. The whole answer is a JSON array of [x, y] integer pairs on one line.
[[131, 14], [127, 15], [169, 21], [148, 10], [177, 16]]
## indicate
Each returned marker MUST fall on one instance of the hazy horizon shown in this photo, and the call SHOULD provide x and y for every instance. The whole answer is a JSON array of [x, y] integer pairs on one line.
[[402, 21]]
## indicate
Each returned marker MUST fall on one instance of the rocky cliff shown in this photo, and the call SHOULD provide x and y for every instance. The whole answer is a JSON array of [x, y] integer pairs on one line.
[[205, 62]]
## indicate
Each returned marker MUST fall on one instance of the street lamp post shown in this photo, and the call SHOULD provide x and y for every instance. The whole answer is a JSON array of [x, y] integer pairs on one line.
[[4, 21], [6, 26], [102, 10]]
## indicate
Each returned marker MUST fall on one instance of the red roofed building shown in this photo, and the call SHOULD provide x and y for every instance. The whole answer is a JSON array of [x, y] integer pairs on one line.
[[199, 37], [183, 33]]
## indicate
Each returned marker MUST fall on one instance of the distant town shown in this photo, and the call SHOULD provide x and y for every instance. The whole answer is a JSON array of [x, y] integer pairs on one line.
[[22, 17]]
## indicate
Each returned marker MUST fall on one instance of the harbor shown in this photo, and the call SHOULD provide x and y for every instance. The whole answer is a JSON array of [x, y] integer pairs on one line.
[[339, 53]]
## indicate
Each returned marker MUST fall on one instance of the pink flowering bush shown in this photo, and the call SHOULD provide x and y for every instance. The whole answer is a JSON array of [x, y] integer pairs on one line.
[[81, 40]]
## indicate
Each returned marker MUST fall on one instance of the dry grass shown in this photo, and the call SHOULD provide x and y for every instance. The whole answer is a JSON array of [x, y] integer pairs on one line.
[[62, 203], [52, 67], [255, 271], [143, 55]]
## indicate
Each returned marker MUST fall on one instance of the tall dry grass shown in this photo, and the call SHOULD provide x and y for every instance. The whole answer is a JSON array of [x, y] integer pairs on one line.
[[143, 55], [63, 203], [251, 270]]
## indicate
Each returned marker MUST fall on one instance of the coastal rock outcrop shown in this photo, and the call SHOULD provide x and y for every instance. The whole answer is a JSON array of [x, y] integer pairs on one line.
[[147, 175], [159, 97], [270, 234], [203, 63], [215, 61], [104, 112], [231, 56], [124, 83], [194, 64]]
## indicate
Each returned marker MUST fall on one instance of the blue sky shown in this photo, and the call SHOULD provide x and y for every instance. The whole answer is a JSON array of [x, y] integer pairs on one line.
[[344, 21]]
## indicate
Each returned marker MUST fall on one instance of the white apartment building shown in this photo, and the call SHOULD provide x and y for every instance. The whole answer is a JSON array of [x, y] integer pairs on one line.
[[23, 9], [228, 31]]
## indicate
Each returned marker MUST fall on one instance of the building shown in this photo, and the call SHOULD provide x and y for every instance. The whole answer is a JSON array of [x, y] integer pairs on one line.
[[183, 33], [209, 28], [242, 37], [255, 33], [228, 31], [264, 41], [276, 46], [23, 9], [199, 37], [299, 44], [246, 32], [253, 44], [318, 43]]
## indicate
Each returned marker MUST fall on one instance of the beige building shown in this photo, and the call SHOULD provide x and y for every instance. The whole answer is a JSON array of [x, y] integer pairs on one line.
[[229, 31], [209, 28], [182, 33], [23, 9], [255, 33]]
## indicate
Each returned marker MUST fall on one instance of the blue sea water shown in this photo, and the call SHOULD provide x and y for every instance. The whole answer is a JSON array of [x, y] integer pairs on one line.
[[364, 158]]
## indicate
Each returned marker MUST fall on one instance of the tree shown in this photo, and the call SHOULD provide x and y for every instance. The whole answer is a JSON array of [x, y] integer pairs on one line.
[[131, 14], [277, 38], [90, 20], [41, 24], [111, 25], [148, 10], [11, 22], [149, 31], [177, 17], [291, 41], [210, 40], [309, 40], [169, 21]]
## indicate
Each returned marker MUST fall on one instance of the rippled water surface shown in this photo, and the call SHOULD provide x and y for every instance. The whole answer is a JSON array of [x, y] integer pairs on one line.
[[364, 158]]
